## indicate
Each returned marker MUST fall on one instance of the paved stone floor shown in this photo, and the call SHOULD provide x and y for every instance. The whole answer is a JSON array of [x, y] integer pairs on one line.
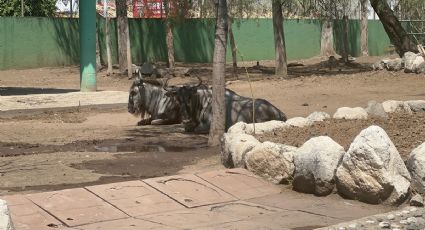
[[225, 199]]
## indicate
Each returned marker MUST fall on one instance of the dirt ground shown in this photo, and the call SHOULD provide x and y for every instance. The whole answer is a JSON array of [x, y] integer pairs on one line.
[[69, 148], [405, 130]]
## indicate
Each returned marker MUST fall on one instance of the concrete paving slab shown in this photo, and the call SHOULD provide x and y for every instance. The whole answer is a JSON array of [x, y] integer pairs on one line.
[[212, 215], [190, 218], [135, 198], [62, 100], [190, 190], [205, 206], [28, 216], [241, 209], [240, 183], [15, 199], [324, 206], [76, 206], [126, 224], [245, 225], [295, 220]]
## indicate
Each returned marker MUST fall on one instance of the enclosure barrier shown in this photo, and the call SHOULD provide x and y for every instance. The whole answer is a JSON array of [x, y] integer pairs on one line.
[[39, 42]]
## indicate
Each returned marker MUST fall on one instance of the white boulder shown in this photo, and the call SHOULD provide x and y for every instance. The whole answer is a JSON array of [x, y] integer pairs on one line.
[[240, 127], [357, 113], [260, 128], [376, 109], [416, 166], [272, 161], [394, 64], [318, 116], [379, 65], [299, 122], [393, 106], [234, 148], [315, 165], [372, 170], [412, 61], [420, 68], [416, 105], [5, 219]]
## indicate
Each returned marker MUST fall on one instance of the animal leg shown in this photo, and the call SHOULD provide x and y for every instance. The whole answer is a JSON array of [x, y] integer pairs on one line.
[[160, 122], [144, 122], [202, 129]]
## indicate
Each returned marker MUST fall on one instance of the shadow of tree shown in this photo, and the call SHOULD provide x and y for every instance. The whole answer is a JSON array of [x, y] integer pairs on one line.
[[67, 37]]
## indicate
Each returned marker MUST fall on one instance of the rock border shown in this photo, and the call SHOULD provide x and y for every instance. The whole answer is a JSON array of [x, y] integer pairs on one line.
[[406, 218], [278, 163], [5, 219]]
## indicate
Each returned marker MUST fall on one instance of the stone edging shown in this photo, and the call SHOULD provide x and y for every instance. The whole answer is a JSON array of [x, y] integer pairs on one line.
[[5, 219], [406, 218], [371, 170]]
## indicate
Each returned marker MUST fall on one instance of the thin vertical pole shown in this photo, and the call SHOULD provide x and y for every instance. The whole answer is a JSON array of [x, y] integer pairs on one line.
[[22, 8]]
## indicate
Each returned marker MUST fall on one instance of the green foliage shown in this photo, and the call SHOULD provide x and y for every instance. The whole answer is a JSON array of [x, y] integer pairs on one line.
[[35, 8]]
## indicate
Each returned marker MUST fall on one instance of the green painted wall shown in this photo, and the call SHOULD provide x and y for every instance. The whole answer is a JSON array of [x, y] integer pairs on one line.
[[37, 42], [378, 40], [254, 39]]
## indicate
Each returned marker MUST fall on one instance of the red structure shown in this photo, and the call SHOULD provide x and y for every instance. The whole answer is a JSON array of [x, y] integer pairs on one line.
[[156, 8]]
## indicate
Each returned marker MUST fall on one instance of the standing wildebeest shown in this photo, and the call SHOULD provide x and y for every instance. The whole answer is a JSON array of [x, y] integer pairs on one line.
[[196, 108], [150, 102]]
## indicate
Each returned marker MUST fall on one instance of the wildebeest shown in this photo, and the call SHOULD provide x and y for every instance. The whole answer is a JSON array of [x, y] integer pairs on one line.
[[150, 102], [196, 108]]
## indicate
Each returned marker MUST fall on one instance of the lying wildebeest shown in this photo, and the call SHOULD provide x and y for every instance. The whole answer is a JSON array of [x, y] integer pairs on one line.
[[150, 102], [196, 108]]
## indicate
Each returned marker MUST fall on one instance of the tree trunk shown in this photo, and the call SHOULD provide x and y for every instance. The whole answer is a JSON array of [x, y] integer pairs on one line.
[[122, 24], [170, 45], [219, 70], [346, 41], [364, 28], [169, 36], [108, 46], [98, 61], [129, 62], [398, 36], [71, 9], [279, 39], [327, 39], [233, 47]]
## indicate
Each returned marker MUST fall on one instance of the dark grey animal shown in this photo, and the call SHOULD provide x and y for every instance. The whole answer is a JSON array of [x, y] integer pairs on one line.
[[196, 108], [150, 102]]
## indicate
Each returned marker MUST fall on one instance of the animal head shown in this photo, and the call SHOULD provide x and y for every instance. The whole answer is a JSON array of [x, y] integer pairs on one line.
[[141, 91], [135, 97], [186, 97]]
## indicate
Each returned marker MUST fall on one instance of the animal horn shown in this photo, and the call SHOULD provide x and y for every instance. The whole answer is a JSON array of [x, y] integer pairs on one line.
[[200, 81], [164, 86], [139, 72]]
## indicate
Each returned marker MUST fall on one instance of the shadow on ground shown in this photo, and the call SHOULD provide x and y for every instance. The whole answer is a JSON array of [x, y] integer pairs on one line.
[[16, 91], [295, 70]]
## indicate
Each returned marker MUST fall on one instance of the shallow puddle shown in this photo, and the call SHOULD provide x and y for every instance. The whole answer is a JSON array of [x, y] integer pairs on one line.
[[142, 148]]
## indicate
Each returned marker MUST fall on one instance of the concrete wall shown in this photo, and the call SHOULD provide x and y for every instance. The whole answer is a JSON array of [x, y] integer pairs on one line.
[[38, 42]]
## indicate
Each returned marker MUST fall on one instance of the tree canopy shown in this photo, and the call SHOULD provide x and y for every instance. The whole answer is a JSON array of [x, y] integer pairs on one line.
[[35, 8]]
